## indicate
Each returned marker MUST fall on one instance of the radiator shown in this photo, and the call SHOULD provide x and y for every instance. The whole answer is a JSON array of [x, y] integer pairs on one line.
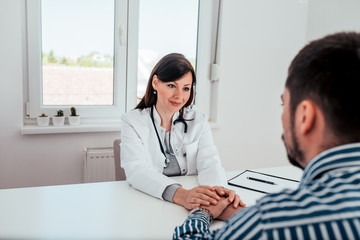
[[99, 165]]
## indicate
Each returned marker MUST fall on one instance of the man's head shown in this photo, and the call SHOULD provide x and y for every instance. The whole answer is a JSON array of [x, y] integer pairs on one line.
[[325, 75]]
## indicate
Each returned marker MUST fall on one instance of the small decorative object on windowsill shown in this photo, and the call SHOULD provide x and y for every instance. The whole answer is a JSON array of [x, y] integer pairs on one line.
[[74, 119], [43, 120], [59, 119]]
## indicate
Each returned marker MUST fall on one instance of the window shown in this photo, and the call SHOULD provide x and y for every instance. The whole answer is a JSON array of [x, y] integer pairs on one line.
[[77, 65], [165, 27], [97, 55], [77, 56]]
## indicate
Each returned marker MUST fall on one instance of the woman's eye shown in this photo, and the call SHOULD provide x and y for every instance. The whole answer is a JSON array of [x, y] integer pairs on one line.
[[171, 85], [186, 89]]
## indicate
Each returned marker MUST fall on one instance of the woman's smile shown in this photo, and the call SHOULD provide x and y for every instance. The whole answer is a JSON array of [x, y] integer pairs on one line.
[[176, 104]]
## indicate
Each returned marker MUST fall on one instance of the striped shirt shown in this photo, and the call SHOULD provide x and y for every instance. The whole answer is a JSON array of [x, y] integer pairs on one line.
[[325, 206]]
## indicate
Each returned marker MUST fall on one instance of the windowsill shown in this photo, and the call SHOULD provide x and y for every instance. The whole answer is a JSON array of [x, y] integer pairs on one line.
[[29, 129], [82, 128]]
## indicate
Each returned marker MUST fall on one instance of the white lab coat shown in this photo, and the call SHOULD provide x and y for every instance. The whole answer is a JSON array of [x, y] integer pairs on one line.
[[143, 161]]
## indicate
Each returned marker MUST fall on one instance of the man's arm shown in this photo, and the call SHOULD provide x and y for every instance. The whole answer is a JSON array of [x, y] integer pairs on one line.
[[197, 224], [245, 224]]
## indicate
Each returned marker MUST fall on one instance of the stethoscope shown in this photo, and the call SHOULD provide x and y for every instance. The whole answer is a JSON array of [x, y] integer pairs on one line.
[[158, 137]]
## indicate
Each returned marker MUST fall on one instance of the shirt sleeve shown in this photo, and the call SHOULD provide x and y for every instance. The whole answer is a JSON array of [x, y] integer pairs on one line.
[[169, 192], [246, 224], [196, 226]]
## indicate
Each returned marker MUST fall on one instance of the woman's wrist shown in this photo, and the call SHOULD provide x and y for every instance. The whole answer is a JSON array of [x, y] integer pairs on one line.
[[179, 196], [169, 192]]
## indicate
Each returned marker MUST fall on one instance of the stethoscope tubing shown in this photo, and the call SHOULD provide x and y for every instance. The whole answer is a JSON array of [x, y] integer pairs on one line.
[[157, 134]]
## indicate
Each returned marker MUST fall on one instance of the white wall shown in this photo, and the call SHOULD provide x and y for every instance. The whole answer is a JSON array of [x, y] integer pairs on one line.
[[258, 40], [330, 16]]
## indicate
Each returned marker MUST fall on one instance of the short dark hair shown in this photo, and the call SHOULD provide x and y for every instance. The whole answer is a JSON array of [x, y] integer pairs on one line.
[[170, 68], [327, 71]]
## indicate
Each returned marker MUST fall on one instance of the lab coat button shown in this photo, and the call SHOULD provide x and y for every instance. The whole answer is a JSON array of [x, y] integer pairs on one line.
[[183, 170]]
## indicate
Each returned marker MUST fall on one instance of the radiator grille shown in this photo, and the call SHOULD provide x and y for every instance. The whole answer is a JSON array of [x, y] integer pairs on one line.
[[99, 165]]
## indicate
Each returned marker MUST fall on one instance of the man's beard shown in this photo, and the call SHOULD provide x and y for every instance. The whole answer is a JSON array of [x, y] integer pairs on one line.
[[294, 155]]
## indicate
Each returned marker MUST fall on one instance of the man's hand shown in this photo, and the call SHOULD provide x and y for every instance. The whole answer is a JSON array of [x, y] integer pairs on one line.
[[230, 195], [217, 209], [201, 195], [228, 212]]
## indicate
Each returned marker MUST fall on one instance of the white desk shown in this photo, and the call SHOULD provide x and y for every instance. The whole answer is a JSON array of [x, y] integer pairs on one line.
[[107, 210]]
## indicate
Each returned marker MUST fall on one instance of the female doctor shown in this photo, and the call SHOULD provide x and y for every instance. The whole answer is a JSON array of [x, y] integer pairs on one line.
[[163, 136]]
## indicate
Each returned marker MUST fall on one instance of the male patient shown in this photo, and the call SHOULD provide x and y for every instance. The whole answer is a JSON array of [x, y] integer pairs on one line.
[[321, 124]]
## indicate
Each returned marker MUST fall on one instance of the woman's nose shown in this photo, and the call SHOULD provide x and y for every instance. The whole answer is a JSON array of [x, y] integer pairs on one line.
[[177, 94]]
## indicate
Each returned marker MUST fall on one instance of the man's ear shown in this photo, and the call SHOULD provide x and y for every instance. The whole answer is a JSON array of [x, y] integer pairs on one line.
[[154, 82], [306, 116]]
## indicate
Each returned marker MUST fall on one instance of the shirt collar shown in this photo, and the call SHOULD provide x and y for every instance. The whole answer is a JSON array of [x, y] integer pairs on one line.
[[347, 155]]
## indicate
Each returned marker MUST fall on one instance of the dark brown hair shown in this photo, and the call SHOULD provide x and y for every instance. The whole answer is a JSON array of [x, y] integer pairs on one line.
[[170, 68], [327, 71]]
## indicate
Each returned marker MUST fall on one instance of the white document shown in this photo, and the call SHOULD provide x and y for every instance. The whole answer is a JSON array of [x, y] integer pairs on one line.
[[262, 182]]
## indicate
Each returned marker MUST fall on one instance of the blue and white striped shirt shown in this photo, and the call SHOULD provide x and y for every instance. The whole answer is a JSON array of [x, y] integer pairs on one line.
[[325, 206]]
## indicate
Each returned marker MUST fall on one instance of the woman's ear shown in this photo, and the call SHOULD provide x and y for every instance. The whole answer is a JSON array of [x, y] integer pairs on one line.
[[155, 81]]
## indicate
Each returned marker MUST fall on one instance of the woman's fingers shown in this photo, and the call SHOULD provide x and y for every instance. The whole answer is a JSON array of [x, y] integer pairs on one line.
[[208, 192], [202, 195], [204, 187], [207, 196], [236, 202], [219, 190], [206, 199], [231, 195], [193, 205], [242, 204]]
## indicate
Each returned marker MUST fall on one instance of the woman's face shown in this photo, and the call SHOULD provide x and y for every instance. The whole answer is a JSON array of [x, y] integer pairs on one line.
[[172, 96]]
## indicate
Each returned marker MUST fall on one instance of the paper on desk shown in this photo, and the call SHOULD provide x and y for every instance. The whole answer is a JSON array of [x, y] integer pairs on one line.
[[242, 180]]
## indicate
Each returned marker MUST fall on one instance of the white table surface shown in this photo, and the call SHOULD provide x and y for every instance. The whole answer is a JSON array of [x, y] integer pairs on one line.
[[107, 210]]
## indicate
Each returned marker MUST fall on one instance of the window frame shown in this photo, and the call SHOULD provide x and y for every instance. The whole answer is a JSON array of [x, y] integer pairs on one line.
[[125, 62], [206, 57], [35, 66]]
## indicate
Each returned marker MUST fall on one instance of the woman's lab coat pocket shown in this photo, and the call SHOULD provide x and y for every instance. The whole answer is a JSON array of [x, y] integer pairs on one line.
[[190, 153]]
